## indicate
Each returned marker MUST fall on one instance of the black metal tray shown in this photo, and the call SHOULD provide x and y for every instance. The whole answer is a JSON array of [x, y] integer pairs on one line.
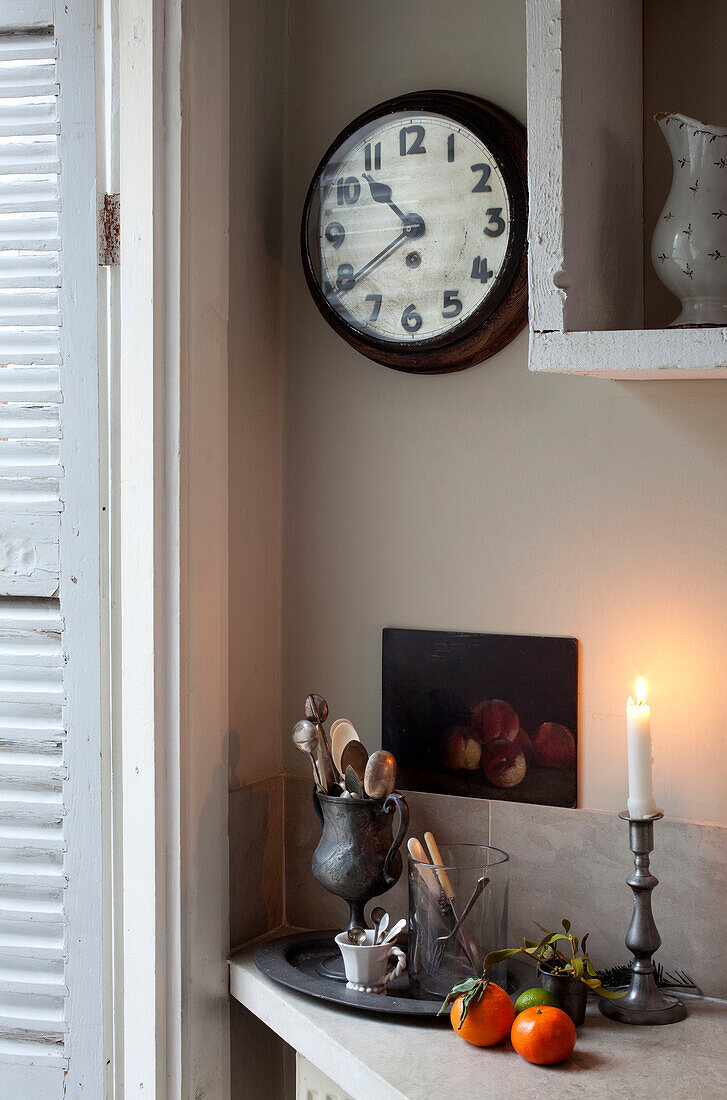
[[311, 963]]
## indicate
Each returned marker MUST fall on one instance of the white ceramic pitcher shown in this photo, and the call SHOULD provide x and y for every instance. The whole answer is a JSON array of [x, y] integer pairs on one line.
[[689, 246]]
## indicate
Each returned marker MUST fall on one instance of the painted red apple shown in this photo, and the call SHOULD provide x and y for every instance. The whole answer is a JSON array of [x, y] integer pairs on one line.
[[472, 754], [458, 750], [503, 763], [525, 745], [451, 748], [554, 746], [493, 719]]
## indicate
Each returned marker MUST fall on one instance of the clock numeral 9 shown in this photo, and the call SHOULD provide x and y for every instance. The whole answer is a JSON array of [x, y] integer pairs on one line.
[[417, 132], [348, 190], [480, 270], [482, 184], [452, 304], [344, 278], [335, 234], [494, 213], [410, 319]]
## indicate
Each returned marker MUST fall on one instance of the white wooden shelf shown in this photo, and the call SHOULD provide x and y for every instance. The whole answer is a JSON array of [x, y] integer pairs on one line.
[[585, 169]]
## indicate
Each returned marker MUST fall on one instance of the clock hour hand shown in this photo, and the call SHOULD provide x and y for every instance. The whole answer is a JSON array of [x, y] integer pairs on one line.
[[381, 192]]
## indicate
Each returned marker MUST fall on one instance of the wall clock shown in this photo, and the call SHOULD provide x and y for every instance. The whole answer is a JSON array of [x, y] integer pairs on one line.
[[413, 234]]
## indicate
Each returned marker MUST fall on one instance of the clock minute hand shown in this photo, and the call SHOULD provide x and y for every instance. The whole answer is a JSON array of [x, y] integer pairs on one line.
[[381, 192], [378, 259]]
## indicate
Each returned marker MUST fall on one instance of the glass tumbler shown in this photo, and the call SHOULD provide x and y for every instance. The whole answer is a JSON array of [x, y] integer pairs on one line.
[[457, 914]]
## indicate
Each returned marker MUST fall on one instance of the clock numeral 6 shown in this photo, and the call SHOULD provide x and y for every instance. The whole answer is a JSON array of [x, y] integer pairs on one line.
[[480, 270], [344, 278], [452, 304], [335, 234], [482, 184], [416, 132], [494, 213], [348, 190], [410, 319], [376, 310]]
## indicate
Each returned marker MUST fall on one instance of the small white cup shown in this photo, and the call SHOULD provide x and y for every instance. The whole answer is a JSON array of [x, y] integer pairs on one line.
[[366, 966]]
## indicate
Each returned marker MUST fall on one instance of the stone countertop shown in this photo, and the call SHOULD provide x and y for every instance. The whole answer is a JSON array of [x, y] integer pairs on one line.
[[376, 1058]]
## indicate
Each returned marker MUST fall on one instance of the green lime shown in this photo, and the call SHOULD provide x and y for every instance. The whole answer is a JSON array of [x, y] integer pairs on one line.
[[536, 998]]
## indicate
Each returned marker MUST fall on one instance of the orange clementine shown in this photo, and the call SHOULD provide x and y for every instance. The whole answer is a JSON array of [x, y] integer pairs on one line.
[[543, 1035], [487, 1022]]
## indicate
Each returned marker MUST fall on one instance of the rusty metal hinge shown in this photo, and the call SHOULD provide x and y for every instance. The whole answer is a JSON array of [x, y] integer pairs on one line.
[[109, 229]]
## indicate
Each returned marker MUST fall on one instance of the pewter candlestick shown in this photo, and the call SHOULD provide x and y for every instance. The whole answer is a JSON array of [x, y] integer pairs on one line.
[[644, 1003]]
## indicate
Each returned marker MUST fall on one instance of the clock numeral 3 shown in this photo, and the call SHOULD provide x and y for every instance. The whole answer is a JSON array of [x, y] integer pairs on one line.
[[482, 184], [376, 299], [348, 191], [494, 213], [377, 156], [410, 319], [344, 278], [452, 304], [335, 234], [417, 132], [480, 270]]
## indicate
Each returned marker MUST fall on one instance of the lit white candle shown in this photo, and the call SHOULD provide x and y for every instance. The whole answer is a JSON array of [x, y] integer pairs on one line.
[[638, 730]]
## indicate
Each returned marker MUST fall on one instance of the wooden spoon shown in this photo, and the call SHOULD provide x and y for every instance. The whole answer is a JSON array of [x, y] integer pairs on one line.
[[355, 756], [342, 731]]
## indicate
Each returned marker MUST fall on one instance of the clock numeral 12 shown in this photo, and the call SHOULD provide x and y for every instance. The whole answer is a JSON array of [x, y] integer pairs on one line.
[[377, 156], [417, 132], [480, 270], [450, 148]]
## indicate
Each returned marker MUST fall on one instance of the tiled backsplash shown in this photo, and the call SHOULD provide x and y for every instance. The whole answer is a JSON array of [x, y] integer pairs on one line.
[[564, 863]]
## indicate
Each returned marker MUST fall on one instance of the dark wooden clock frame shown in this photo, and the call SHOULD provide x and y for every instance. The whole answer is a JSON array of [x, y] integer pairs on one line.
[[505, 312]]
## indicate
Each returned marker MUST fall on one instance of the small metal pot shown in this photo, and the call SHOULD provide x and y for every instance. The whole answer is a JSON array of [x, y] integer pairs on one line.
[[571, 993]]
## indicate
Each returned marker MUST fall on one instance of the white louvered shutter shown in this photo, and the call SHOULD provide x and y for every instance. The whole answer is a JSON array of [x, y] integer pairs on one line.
[[50, 816]]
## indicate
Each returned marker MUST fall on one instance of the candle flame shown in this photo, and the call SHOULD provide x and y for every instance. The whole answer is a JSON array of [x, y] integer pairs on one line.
[[641, 691]]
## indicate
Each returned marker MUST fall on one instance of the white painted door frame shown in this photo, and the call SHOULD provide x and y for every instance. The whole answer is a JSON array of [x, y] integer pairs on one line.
[[169, 551]]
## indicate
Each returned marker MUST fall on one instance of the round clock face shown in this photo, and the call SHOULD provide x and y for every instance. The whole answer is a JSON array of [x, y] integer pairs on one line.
[[414, 229]]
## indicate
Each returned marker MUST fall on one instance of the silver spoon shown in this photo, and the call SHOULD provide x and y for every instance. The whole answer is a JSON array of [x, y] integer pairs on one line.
[[353, 784], [380, 775], [305, 738], [379, 916], [357, 936], [394, 932], [316, 710]]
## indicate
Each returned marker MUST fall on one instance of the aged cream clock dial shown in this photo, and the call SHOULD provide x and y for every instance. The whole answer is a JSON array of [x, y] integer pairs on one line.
[[414, 232]]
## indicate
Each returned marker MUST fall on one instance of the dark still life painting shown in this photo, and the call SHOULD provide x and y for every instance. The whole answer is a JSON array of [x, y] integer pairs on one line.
[[484, 715]]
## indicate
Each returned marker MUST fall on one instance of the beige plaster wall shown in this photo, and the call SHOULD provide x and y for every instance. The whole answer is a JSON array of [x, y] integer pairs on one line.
[[257, 93], [491, 500]]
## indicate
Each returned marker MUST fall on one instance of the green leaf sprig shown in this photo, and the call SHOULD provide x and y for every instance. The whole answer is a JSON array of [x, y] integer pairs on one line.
[[549, 956]]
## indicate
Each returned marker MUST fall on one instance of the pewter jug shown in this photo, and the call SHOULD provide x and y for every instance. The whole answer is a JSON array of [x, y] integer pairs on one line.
[[358, 856]]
